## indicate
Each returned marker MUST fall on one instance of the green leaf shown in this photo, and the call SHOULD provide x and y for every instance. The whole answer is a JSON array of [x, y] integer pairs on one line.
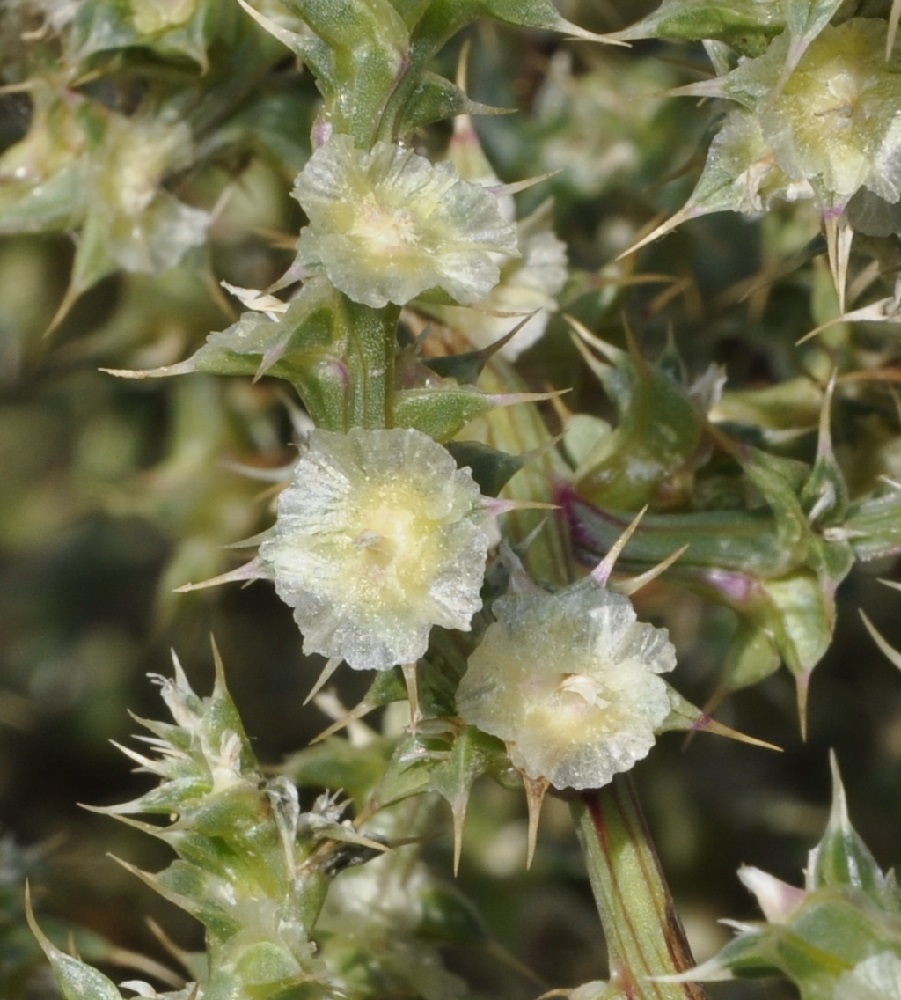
[[738, 543], [43, 176], [466, 367], [435, 99], [473, 754], [842, 858], [745, 24], [407, 773], [686, 717], [491, 468], [336, 763], [780, 481], [751, 657], [432, 24], [334, 352], [264, 964], [450, 918], [802, 619], [659, 431], [52, 206], [873, 524], [294, 33], [207, 897], [283, 341], [441, 411], [446, 17], [77, 981]]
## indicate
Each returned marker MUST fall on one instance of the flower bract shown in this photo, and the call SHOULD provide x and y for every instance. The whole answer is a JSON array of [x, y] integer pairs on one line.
[[377, 539], [386, 225], [569, 681]]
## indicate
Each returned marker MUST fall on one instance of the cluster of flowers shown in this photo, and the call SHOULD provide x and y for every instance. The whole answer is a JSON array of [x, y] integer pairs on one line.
[[380, 537]]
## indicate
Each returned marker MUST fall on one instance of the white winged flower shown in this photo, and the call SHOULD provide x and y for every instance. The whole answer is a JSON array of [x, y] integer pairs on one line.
[[526, 293], [569, 681], [376, 540], [387, 225]]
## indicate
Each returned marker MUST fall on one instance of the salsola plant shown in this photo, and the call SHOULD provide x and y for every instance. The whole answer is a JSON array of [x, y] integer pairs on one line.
[[471, 541]]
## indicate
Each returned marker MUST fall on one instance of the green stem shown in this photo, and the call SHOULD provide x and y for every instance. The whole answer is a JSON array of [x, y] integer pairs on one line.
[[644, 935], [372, 344]]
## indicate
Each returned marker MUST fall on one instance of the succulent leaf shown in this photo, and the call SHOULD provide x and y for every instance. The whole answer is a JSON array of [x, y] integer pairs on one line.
[[658, 435], [741, 23]]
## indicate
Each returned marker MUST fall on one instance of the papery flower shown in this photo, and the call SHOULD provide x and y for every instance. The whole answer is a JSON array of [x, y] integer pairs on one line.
[[569, 681], [527, 290], [387, 225], [376, 540], [816, 119], [832, 123], [527, 287]]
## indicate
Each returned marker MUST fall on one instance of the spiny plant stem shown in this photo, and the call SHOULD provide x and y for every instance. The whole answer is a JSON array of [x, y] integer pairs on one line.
[[644, 935]]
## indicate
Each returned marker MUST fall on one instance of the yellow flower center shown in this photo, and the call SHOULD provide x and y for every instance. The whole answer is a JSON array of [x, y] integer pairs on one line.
[[383, 230], [388, 534], [584, 687], [396, 544]]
